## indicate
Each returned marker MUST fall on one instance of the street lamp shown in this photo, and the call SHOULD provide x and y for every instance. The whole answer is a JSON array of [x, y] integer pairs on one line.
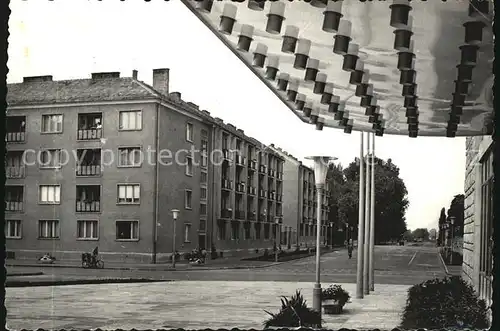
[[452, 222], [320, 170], [278, 237], [175, 214]]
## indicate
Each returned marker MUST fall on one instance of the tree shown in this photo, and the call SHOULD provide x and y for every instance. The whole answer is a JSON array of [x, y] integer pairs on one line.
[[421, 233], [442, 221], [408, 235], [432, 234], [457, 210], [390, 198]]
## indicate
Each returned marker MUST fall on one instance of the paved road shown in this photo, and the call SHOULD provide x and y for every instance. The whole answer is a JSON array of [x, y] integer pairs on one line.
[[405, 265]]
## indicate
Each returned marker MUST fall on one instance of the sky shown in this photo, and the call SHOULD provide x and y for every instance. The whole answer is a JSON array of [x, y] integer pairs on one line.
[[72, 39]]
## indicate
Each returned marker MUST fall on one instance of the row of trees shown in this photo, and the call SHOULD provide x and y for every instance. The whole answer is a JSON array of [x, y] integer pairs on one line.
[[455, 211], [390, 199]]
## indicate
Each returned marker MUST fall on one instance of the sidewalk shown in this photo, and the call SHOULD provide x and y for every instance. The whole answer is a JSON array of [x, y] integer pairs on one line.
[[189, 305]]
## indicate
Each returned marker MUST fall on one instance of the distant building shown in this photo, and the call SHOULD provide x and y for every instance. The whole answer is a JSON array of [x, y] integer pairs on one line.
[[478, 221], [300, 202], [82, 172]]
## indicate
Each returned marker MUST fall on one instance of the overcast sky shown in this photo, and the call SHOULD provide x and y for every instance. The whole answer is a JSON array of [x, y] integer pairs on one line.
[[71, 39]]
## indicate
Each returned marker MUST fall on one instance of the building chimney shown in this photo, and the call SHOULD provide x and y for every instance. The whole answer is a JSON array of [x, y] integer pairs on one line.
[[176, 96], [160, 80], [134, 74], [105, 75], [37, 79]]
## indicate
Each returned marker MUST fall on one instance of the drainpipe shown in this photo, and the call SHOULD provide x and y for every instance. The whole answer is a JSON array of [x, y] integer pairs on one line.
[[299, 220], [213, 199], [157, 171]]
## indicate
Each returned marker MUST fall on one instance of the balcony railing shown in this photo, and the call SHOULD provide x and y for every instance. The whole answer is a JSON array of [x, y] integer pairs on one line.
[[251, 190], [226, 154], [88, 206], [262, 217], [15, 137], [262, 193], [240, 187], [279, 197], [88, 170], [240, 214], [227, 184], [251, 216], [226, 213], [15, 172], [271, 172], [270, 195], [270, 218], [262, 169], [14, 205], [88, 134], [279, 175]]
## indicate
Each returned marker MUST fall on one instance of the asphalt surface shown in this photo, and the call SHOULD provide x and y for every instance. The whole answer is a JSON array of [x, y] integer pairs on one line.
[[404, 265]]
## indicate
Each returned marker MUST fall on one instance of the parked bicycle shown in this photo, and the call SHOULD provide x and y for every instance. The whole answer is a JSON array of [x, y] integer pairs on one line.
[[92, 260]]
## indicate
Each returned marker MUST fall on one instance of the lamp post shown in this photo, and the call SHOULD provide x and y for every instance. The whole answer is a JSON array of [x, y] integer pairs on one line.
[[175, 214], [320, 170], [361, 222], [452, 222], [278, 237]]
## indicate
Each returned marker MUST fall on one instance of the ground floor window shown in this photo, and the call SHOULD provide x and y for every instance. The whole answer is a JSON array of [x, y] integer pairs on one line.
[[221, 230], [13, 229], [127, 230], [266, 231], [187, 233], [486, 227], [235, 230], [87, 230], [247, 228], [257, 230], [48, 229], [301, 230]]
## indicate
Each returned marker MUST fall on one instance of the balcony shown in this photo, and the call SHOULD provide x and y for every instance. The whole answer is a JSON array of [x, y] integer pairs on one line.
[[14, 205], [15, 172], [305, 219], [89, 162], [88, 170], [240, 160], [271, 172], [15, 129], [251, 190], [226, 154], [227, 184], [262, 169], [88, 198], [262, 217], [251, 216], [262, 193], [252, 164], [279, 175], [240, 187], [226, 213], [89, 126], [279, 197], [14, 198], [240, 215], [271, 195]]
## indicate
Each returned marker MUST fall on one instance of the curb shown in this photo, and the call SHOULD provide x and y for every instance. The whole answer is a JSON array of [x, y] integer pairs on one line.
[[444, 264], [22, 274], [22, 283]]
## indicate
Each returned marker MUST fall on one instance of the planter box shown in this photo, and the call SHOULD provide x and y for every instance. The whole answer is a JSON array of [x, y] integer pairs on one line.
[[332, 307]]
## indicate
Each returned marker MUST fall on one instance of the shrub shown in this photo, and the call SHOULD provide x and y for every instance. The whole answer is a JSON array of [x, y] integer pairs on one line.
[[444, 303], [294, 313], [337, 293]]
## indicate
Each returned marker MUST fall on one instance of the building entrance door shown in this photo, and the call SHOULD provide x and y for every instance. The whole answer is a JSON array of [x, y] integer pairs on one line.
[[202, 241]]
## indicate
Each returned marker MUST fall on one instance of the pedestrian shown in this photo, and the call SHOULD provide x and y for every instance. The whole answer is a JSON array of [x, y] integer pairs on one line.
[[350, 248]]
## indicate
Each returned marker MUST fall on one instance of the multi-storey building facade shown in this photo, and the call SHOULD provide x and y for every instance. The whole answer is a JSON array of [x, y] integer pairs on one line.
[[477, 264], [103, 161], [300, 198]]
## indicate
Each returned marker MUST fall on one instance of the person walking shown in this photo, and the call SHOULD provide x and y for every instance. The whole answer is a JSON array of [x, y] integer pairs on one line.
[[350, 247]]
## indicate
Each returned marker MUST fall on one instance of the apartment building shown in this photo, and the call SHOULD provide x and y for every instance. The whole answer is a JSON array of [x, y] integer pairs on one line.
[[300, 202], [477, 267], [102, 162]]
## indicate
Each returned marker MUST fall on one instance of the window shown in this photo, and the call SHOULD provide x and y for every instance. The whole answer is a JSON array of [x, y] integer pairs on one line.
[[486, 222], [189, 166], [48, 229], [204, 153], [221, 229], [203, 208], [130, 156], [130, 120], [50, 158], [257, 230], [203, 193], [129, 193], [188, 199], [14, 198], [301, 233], [203, 177], [247, 228], [13, 229], [87, 230], [204, 134], [127, 230], [189, 132], [52, 123], [266, 231], [187, 233], [235, 230], [49, 194], [203, 225]]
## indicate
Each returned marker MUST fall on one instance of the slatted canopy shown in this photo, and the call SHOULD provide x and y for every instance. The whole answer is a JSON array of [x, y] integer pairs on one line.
[[416, 68]]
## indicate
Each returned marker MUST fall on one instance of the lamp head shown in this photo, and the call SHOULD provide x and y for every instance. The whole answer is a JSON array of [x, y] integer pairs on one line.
[[175, 213], [321, 164]]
